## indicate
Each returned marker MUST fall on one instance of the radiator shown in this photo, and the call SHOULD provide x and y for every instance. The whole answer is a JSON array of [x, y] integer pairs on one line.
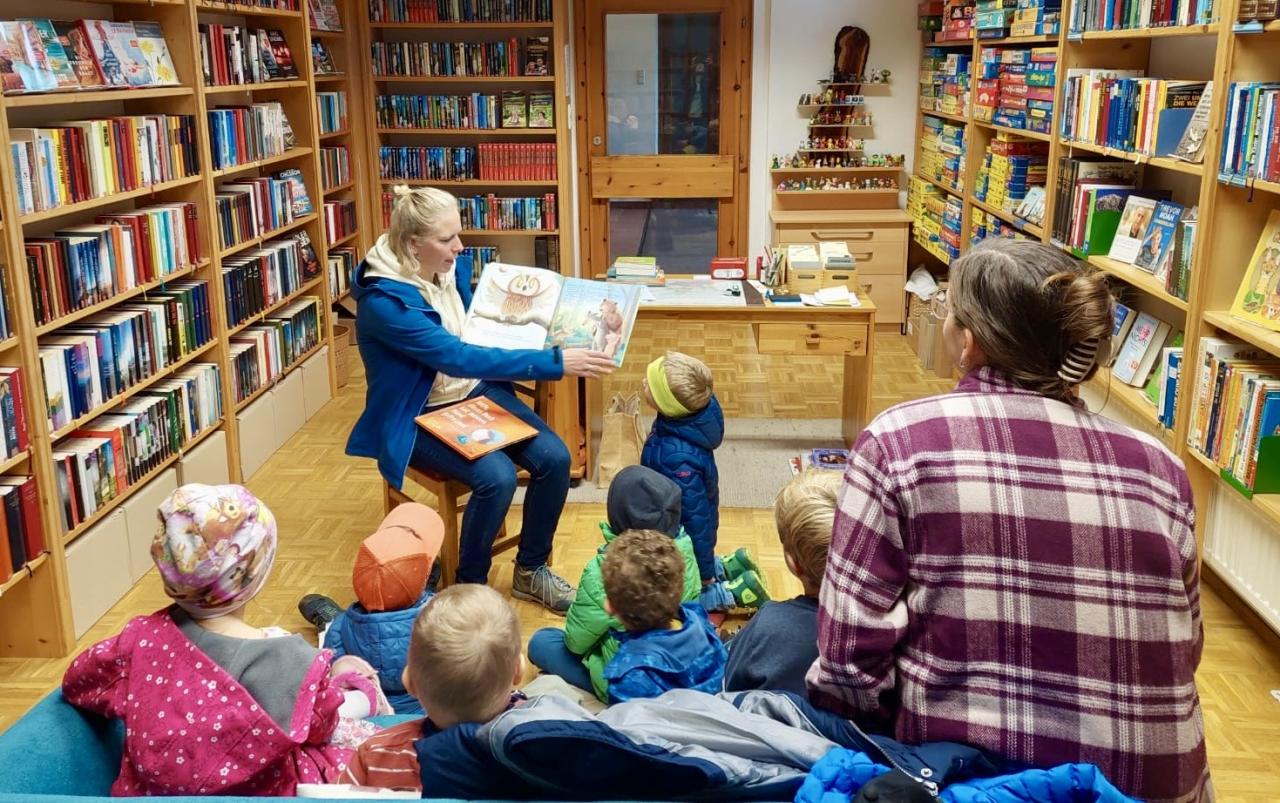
[[1243, 547]]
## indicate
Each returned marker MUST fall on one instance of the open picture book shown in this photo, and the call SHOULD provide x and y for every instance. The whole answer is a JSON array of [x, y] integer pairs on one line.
[[518, 307]]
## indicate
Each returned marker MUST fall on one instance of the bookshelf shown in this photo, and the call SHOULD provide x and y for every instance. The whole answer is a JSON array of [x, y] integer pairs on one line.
[[1232, 216], [35, 602]]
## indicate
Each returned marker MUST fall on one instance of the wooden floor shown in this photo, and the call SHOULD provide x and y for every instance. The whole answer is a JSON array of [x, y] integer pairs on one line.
[[326, 502]]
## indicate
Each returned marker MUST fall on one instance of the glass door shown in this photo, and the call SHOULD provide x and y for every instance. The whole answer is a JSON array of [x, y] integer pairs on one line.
[[666, 98]]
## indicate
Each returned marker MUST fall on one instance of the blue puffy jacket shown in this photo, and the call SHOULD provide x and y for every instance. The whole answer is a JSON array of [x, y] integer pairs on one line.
[[403, 346], [382, 639], [683, 449], [651, 663]]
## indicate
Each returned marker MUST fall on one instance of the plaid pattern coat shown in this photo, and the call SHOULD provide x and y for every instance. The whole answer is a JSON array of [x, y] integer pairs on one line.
[[1018, 574]]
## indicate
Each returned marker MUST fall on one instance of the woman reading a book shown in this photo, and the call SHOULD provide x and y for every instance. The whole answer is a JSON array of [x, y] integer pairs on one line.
[[1009, 570], [412, 299]]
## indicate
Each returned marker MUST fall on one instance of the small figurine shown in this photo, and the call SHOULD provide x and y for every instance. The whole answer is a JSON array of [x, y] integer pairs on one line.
[[776, 164]]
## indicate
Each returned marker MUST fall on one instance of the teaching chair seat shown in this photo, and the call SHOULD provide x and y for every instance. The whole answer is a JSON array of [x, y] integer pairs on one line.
[[452, 495]]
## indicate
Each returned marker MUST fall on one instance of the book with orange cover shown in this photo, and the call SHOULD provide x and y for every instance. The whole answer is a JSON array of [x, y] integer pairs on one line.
[[475, 427]]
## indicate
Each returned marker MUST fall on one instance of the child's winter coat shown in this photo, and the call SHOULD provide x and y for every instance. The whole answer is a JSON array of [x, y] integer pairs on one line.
[[382, 639]]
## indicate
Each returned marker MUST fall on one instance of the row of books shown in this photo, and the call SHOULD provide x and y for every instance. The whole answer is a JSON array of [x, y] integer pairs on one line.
[[253, 207], [103, 356], [23, 531], [1236, 404], [1011, 169], [1138, 340], [265, 276], [260, 354], [1122, 110], [546, 253], [1251, 141], [339, 220], [477, 256], [497, 58], [6, 323], [1015, 87], [1111, 15], [42, 55], [86, 159], [936, 216], [490, 161], [459, 10], [14, 438], [513, 109], [984, 225], [105, 457], [1258, 10], [335, 166], [332, 108], [79, 266], [232, 55], [942, 150], [945, 81], [242, 134], [342, 267], [996, 19], [497, 213]]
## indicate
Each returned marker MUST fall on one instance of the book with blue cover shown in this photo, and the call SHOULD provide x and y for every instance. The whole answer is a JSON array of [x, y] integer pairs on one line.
[[1157, 241]]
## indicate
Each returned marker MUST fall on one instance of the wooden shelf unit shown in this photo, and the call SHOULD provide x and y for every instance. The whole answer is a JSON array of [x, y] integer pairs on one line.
[[1231, 216], [35, 605]]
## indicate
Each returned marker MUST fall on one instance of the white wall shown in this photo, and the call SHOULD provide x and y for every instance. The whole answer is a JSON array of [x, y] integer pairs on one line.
[[794, 40]]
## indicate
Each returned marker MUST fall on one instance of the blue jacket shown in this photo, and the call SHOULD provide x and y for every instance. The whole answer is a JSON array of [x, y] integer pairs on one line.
[[682, 449], [403, 346], [382, 639], [655, 661]]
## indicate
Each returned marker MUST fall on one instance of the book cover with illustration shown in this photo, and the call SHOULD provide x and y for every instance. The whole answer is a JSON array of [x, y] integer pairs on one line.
[[104, 54], [79, 53], [281, 53], [324, 15], [1158, 238], [515, 109], [297, 191], [133, 63], [522, 307], [1134, 222], [536, 52], [156, 51], [321, 60], [475, 427], [23, 64], [55, 55], [1258, 299], [541, 110], [834, 459]]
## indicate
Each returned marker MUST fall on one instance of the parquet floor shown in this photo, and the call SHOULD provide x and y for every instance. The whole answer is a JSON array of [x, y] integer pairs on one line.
[[326, 502]]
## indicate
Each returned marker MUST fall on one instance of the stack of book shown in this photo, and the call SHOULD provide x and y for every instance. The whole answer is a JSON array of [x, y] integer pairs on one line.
[[1236, 403], [252, 207], [242, 134], [957, 20], [332, 108], [21, 530], [260, 354], [231, 55], [433, 11], [342, 267], [944, 81], [1015, 87], [1251, 137], [942, 152], [517, 161], [1010, 169], [339, 220], [335, 166], [1090, 197], [42, 55], [502, 57], [1120, 109], [435, 162], [497, 213], [636, 270], [260, 278], [1036, 18], [1111, 15]]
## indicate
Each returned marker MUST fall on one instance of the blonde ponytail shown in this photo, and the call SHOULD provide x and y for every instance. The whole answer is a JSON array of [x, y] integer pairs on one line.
[[416, 213]]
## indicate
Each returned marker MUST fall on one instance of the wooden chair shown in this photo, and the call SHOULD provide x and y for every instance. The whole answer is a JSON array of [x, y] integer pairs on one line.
[[452, 496]]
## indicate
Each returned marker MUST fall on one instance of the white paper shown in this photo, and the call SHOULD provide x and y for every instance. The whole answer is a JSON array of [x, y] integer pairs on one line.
[[696, 293]]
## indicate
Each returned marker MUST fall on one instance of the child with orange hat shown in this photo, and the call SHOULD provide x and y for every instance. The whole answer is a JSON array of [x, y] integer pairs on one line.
[[390, 580]]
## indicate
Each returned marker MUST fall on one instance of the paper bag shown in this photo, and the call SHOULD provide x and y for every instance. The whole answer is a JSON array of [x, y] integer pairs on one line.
[[622, 438]]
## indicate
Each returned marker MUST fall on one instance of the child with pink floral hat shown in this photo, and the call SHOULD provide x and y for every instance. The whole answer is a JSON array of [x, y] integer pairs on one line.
[[212, 704]]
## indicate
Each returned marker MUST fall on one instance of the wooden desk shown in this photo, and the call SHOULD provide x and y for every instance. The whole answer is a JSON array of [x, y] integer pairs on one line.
[[784, 330]]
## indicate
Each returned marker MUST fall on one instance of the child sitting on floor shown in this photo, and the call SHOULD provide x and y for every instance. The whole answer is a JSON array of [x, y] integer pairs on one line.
[[464, 660], [390, 580], [667, 645], [780, 643], [639, 499], [210, 703], [687, 430]]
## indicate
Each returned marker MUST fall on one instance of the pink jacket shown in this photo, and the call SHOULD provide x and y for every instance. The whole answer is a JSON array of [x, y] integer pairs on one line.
[[190, 728]]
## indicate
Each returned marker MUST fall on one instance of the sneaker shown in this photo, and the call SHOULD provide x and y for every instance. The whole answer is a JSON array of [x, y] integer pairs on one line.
[[319, 610], [545, 587], [738, 564], [748, 590]]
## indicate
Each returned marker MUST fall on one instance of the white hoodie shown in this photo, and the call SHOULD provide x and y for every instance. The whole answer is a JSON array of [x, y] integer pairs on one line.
[[444, 299]]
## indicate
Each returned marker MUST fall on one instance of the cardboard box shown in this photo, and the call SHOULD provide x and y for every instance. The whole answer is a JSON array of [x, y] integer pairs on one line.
[[257, 425], [290, 407], [315, 382], [207, 463], [140, 518], [98, 570]]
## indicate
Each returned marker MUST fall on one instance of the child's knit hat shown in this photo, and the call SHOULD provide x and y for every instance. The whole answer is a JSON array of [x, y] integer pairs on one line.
[[393, 564], [214, 548], [642, 499]]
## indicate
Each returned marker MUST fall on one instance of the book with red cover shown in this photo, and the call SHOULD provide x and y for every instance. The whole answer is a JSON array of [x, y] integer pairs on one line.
[[29, 505], [475, 427]]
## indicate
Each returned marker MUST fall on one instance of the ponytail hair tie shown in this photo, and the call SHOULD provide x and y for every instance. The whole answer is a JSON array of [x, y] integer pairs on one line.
[[1079, 361]]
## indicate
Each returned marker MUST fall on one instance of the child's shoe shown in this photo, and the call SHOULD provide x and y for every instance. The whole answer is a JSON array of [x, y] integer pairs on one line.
[[748, 590], [738, 564]]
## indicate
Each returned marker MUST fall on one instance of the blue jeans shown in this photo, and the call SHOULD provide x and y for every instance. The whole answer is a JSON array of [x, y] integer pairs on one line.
[[492, 480], [548, 652]]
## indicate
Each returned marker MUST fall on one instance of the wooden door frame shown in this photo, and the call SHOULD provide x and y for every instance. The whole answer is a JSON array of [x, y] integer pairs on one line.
[[735, 139]]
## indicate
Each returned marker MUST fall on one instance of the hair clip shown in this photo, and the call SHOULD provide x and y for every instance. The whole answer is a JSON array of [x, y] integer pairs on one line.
[[1079, 360]]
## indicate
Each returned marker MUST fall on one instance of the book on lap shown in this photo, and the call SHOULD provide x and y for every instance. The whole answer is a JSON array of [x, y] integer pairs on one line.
[[475, 427]]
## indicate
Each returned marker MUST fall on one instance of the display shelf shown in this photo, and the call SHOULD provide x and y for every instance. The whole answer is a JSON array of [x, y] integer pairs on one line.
[[275, 380], [1210, 29], [328, 78], [346, 240], [1259, 336], [1041, 39], [8, 343], [318, 34], [465, 79], [872, 191], [18, 459], [426, 182], [1010, 218], [1268, 505], [803, 171], [26, 571], [342, 132], [102, 306], [290, 83], [510, 232], [80, 207], [463, 26], [955, 118], [471, 132], [338, 189], [262, 238], [1017, 132], [247, 11], [948, 190], [1162, 162], [131, 391], [1138, 278], [258, 317], [77, 97], [1270, 187], [292, 153]]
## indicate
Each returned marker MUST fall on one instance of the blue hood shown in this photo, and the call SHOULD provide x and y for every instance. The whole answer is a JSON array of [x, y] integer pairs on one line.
[[382, 639], [651, 663], [704, 428]]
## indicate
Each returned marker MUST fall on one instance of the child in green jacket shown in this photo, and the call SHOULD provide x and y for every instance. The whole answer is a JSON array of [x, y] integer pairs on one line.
[[639, 499]]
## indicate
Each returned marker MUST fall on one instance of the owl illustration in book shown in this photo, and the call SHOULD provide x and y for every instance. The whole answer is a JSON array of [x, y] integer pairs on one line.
[[517, 297]]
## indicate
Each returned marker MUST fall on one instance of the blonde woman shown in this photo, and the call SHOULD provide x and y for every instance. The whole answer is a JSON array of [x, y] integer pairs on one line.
[[412, 297]]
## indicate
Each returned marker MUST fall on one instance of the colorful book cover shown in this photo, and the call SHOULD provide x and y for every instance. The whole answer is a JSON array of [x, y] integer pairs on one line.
[[595, 315], [104, 54], [1258, 299], [79, 53], [475, 427], [1155, 383], [1136, 345], [150, 38], [1134, 221], [23, 64], [536, 55], [124, 41], [297, 191], [1191, 146], [321, 61], [834, 459], [324, 15], [55, 55], [1158, 238], [283, 56], [541, 110], [515, 110]]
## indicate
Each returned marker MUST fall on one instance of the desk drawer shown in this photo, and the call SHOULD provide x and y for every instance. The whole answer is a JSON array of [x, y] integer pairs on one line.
[[853, 234], [888, 295], [812, 338], [880, 258]]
